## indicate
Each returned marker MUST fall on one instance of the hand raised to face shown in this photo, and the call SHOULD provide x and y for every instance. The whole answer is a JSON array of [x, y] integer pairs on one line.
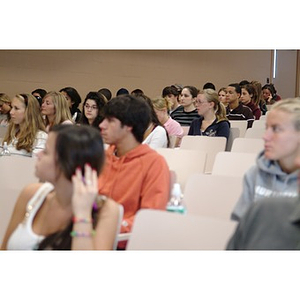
[[85, 190]]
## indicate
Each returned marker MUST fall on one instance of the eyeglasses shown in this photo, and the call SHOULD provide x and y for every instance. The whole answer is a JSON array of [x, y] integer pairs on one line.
[[93, 107], [198, 102]]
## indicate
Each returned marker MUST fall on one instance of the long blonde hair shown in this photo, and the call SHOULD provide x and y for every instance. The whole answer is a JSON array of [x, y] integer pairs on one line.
[[26, 131], [62, 110], [212, 96]]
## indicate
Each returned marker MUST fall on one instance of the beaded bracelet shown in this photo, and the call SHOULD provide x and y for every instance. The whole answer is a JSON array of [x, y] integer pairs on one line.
[[82, 234], [82, 220]]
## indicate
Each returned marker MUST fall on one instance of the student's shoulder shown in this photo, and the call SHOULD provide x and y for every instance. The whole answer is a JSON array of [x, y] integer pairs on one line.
[[197, 121], [177, 110], [224, 123], [26, 194], [159, 129], [41, 134], [252, 173], [151, 155], [158, 161], [246, 108], [29, 191]]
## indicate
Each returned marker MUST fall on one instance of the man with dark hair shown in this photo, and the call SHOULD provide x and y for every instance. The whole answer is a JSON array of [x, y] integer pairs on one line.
[[235, 109], [172, 94], [134, 175]]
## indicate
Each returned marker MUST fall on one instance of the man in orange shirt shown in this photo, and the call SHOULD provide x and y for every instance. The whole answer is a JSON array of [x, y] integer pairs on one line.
[[134, 175]]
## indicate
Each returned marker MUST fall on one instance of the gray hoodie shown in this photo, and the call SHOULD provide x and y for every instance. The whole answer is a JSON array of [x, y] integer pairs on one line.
[[265, 180]]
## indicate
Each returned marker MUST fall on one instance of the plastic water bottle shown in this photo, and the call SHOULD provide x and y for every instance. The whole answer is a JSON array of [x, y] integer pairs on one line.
[[5, 151], [176, 204]]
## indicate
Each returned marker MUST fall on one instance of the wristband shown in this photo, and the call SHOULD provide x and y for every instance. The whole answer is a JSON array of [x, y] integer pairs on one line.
[[82, 234], [82, 220]]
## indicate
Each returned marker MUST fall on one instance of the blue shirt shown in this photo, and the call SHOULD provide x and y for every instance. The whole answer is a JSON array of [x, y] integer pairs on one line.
[[221, 128]]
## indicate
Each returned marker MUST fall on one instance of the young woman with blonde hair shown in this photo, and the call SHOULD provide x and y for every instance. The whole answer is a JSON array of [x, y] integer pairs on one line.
[[26, 131], [213, 120], [55, 110], [275, 173], [161, 107], [156, 135], [222, 96]]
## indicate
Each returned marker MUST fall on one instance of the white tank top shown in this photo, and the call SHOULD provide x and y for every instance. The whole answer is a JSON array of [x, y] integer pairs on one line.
[[23, 238]]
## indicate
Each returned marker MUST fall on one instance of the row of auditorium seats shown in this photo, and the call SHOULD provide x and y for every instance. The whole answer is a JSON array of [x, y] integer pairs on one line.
[[161, 230], [203, 154], [210, 191], [205, 175]]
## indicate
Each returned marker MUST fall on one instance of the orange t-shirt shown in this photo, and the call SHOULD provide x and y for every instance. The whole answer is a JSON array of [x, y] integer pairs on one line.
[[138, 179]]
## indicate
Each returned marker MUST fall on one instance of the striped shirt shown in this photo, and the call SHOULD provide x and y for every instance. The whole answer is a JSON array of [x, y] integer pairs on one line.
[[241, 112], [182, 117]]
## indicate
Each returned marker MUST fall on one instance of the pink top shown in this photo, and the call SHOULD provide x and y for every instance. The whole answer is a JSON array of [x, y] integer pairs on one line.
[[174, 128]]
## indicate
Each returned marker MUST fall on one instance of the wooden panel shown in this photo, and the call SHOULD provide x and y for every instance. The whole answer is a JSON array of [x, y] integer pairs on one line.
[[150, 70]]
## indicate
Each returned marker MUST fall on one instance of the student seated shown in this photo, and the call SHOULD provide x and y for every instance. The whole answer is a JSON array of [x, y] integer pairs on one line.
[[275, 173], [26, 134], [235, 110], [270, 224], [171, 94], [161, 107], [55, 110], [212, 120], [134, 175], [65, 212], [247, 98], [269, 94], [156, 135], [73, 99], [92, 109], [186, 112]]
